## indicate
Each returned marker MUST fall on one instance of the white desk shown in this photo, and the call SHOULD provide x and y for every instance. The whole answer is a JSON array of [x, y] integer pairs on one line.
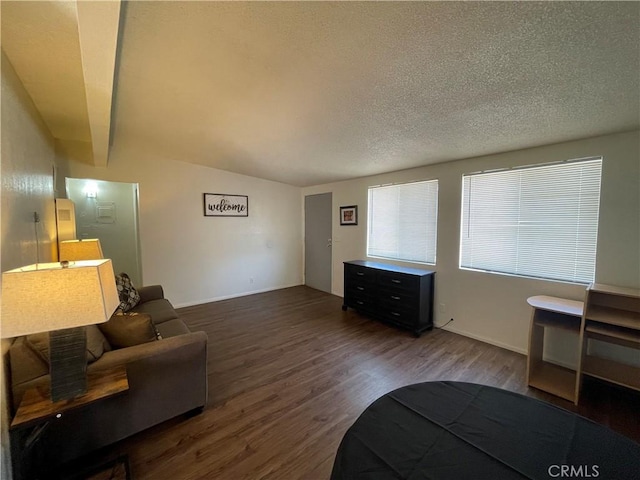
[[608, 314]]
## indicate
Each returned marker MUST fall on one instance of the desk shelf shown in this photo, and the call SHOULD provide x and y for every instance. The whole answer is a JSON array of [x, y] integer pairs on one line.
[[613, 334], [557, 320], [554, 379], [611, 371], [613, 316]]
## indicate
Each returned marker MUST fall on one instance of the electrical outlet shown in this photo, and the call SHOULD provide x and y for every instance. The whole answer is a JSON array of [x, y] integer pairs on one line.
[[442, 307]]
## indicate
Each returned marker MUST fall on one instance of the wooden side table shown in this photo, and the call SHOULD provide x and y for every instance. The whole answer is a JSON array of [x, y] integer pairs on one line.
[[36, 411]]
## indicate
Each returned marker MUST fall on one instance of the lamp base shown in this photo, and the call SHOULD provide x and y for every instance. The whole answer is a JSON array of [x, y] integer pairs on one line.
[[68, 360]]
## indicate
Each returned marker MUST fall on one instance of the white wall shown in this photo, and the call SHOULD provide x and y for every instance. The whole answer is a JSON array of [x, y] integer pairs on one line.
[[493, 307], [27, 186], [196, 258]]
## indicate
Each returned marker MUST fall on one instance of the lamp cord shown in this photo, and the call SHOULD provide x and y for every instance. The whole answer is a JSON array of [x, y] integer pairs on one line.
[[36, 220], [441, 327]]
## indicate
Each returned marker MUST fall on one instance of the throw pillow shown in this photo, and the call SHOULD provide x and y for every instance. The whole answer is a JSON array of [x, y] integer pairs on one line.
[[96, 344], [129, 296], [129, 329]]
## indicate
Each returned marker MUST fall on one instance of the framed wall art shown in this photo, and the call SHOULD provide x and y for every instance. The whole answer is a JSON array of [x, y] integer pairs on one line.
[[223, 205], [349, 215]]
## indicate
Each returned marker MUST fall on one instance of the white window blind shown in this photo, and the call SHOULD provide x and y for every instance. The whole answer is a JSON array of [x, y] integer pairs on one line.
[[403, 221], [535, 221]]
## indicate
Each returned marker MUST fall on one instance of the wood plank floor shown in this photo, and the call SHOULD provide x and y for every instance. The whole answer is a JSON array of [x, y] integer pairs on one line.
[[289, 372]]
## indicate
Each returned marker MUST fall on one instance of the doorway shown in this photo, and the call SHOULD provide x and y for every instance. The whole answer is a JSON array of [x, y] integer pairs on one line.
[[109, 211], [317, 241]]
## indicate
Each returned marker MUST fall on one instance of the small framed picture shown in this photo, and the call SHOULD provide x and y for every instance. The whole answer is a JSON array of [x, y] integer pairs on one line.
[[349, 215]]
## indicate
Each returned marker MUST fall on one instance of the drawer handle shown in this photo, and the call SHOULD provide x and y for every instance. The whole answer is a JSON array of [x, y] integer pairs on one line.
[[360, 288], [360, 303], [395, 314], [395, 297], [393, 280], [360, 274]]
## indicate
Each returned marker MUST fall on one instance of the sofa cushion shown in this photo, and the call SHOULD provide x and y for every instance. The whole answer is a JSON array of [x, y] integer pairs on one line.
[[127, 330], [96, 344], [160, 310], [172, 328], [129, 296], [39, 343], [150, 292]]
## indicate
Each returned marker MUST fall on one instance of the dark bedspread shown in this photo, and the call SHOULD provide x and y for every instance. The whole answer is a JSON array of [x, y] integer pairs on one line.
[[455, 431]]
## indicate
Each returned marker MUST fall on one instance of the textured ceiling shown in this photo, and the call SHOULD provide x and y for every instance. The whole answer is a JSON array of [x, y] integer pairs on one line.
[[307, 93]]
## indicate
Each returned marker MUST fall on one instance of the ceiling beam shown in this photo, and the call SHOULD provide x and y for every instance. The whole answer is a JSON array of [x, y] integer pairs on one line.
[[98, 24]]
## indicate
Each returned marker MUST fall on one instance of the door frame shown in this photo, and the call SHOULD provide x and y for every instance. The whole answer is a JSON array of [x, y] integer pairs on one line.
[[304, 246]]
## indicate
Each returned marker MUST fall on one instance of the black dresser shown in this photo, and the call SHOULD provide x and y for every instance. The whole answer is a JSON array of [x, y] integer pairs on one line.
[[398, 295]]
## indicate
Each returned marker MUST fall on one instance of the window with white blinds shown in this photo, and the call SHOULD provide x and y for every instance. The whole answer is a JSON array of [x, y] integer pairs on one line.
[[402, 221], [535, 221]]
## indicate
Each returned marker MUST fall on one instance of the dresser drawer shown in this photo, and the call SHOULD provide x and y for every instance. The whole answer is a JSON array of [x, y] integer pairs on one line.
[[361, 289], [398, 298], [398, 280], [408, 317], [357, 274], [360, 296], [363, 303]]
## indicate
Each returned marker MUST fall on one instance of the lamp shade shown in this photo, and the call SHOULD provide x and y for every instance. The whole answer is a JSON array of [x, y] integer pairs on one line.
[[45, 296], [89, 249]]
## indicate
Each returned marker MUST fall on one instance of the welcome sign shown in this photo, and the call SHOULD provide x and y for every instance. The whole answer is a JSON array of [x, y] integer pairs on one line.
[[222, 205]]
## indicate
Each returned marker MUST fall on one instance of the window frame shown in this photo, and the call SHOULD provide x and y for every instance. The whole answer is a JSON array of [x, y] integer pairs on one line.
[[370, 224], [573, 281]]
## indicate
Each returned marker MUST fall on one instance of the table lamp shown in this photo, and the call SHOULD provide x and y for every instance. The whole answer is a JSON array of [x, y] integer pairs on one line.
[[87, 249], [60, 298]]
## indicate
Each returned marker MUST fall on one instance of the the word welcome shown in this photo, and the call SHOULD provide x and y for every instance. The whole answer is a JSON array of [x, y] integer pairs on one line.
[[225, 206]]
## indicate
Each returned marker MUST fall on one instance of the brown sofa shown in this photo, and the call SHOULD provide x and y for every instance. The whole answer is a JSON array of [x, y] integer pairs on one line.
[[167, 377]]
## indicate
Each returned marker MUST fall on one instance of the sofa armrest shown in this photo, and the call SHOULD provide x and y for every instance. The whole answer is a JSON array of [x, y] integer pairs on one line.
[[150, 292], [164, 347]]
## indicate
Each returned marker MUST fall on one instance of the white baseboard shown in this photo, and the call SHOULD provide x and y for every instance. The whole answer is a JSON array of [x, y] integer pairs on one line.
[[490, 341], [235, 295]]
